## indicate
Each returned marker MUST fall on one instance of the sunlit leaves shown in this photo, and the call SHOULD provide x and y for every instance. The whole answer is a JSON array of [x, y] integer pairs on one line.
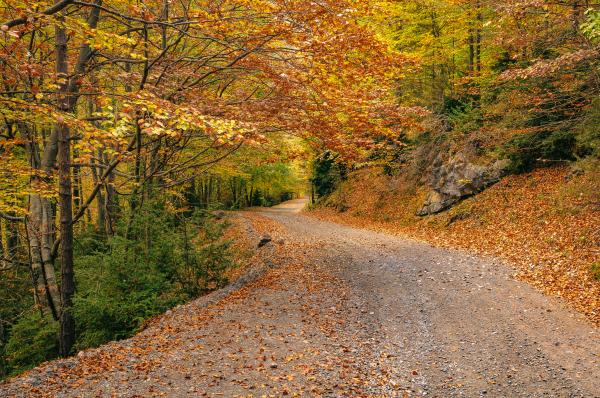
[[591, 27]]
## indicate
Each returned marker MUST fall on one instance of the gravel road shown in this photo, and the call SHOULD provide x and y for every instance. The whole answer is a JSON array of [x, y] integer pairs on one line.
[[458, 323], [343, 312]]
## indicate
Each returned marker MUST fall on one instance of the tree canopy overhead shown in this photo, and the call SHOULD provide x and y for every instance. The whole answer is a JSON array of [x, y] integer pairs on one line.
[[109, 100]]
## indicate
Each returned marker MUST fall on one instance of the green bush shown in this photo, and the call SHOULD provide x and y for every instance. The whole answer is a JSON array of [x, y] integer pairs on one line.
[[33, 340], [591, 27], [203, 269], [172, 260], [464, 118], [588, 132], [169, 258], [595, 270], [327, 173], [526, 150], [578, 142]]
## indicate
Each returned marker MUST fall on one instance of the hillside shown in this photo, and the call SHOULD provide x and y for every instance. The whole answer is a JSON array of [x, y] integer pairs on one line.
[[545, 223]]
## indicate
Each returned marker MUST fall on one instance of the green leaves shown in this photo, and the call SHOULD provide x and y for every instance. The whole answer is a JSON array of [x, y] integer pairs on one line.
[[591, 28]]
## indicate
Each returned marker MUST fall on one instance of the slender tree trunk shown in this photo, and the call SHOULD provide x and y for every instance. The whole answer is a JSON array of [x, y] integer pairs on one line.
[[40, 226], [219, 181], [471, 50], [3, 251], [136, 194], [165, 17], [210, 189], [12, 240], [576, 15], [112, 204], [67, 322], [246, 195], [63, 132], [232, 183], [77, 184], [478, 37], [100, 202]]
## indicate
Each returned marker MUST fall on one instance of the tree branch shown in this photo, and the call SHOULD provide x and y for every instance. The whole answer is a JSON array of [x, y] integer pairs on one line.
[[49, 11], [11, 218]]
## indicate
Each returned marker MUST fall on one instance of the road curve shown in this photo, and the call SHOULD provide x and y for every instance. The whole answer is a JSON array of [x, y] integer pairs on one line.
[[457, 322]]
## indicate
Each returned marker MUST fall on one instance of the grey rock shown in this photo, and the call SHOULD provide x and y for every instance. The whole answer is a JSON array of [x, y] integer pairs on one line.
[[457, 179]]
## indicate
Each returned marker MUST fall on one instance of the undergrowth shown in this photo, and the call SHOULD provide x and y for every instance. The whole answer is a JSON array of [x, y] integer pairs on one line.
[[168, 259]]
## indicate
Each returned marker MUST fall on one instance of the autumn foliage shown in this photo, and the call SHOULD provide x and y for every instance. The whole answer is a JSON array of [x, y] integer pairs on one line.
[[112, 110], [126, 124]]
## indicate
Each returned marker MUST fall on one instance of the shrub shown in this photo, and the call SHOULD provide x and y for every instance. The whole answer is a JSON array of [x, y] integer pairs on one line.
[[464, 118], [33, 340], [327, 173], [526, 150], [588, 132], [132, 280]]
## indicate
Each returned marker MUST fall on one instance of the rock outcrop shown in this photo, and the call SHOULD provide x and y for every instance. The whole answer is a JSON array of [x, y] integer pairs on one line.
[[458, 179]]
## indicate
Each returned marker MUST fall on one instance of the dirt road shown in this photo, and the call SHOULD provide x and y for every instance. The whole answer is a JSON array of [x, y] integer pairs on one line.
[[343, 312]]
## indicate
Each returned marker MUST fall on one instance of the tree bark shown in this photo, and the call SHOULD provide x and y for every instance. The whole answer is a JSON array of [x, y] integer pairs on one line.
[[40, 226], [63, 132], [471, 51], [100, 202], [478, 36], [112, 204], [3, 252], [67, 322]]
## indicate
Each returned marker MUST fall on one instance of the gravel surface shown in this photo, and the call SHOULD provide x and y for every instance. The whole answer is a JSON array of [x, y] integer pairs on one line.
[[458, 324], [342, 312]]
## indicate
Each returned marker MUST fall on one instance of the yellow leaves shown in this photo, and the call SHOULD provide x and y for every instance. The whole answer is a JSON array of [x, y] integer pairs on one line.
[[15, 175], [342, 117], [137, 56]]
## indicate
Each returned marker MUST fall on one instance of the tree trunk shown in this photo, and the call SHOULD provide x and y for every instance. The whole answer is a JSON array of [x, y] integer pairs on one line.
[[67, 322], [576, 16], [40, 227], [478, 37], [100, 202], [3, 252], [77, 184], [471, 51], [112, 204], [11, 242], [136, 194], [63, 132]]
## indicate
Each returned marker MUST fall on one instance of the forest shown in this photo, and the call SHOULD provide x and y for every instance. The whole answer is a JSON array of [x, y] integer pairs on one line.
[[128, 127]]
